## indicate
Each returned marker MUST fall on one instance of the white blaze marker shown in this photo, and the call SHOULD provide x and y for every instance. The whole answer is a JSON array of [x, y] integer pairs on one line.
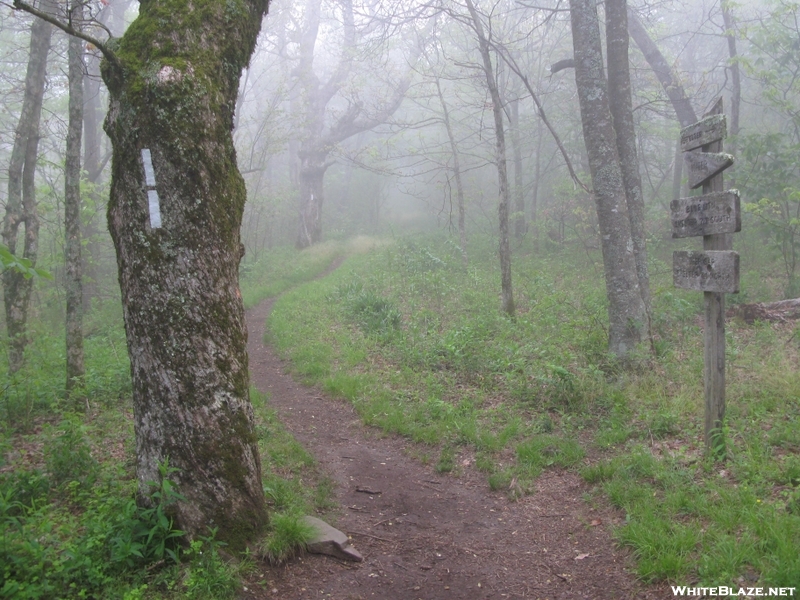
[[155, 210], [152, 194]]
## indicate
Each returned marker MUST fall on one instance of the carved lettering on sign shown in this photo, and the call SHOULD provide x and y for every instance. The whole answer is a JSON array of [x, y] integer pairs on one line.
[[717, 212], [708, 130], [709, 271], [705, 165]]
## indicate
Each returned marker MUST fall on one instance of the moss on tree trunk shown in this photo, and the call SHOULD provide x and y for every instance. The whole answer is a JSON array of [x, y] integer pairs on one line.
[[174, 95]]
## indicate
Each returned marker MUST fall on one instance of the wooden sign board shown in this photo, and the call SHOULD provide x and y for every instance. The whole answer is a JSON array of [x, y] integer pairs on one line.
[[705, 165], [709, 271], [706, 131], [709, 214]]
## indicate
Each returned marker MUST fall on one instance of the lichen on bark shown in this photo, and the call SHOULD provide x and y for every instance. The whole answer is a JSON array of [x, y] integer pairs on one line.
[[175, 95], [626, 310]]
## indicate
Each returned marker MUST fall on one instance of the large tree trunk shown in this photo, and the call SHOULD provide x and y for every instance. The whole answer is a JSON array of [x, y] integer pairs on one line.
[[619, 93], [175, 227], [626, 312], [72, 211], [21, 201], [506, 292]]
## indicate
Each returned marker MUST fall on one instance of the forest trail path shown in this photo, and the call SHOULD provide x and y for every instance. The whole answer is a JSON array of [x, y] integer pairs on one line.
[[429, 536]]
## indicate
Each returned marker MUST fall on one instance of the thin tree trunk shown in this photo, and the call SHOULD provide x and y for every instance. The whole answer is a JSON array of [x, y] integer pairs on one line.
[[626, 311], [619, 95], [536, 185], [21, 201], [72, 212], [519, 200], [93, 167], [736, 85], [507, 296], [462, 225], [174, 215]]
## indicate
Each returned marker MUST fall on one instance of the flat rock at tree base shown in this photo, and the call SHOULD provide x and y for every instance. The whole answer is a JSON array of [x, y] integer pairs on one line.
[[329, 540]]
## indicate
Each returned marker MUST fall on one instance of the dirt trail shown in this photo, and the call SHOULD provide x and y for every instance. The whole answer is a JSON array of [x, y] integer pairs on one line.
[[429, 536]]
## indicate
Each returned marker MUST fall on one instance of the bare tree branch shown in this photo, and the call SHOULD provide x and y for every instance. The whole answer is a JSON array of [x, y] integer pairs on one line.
[[67, 28], [512, 63]]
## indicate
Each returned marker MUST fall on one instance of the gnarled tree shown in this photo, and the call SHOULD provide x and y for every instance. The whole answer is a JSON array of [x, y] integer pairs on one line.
[[174, 214], [325, 128]]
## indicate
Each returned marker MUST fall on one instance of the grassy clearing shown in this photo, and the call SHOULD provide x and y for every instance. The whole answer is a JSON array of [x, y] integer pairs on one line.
[[284, 268], [419, 346]]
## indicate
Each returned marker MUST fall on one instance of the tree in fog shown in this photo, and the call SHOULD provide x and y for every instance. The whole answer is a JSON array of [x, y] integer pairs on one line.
[[334, 108], [619, 97], [626, 311], [72, 208], [21, 201], [475, 23], [174, 215]]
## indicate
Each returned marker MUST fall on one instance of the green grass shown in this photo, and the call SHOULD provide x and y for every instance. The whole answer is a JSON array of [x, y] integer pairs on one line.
[[69, 521], [284, 267], [417, 343]]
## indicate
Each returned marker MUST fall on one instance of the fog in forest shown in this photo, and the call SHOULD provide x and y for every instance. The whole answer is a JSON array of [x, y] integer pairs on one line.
[[548, 250]]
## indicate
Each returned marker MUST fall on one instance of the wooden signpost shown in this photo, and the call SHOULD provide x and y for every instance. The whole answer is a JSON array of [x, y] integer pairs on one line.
[[715, 271]]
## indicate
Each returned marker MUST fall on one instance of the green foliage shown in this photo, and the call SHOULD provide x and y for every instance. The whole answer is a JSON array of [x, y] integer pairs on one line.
[[774, 58], [549, 450], [375, 315], [20, 265], [37, 390], [69, 456], [152, 535], [83, 536], [531, 394], [208, 575], [287, 536], [773, 181], [285, 267]]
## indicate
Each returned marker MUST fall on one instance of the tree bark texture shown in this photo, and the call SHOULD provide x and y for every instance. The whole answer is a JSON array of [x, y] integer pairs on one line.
[[21, 201], [506, 292], [174, 96], [619, 94], [72, 212], [626, 312]]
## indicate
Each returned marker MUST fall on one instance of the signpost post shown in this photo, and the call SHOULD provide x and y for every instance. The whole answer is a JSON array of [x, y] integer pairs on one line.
[[715, 271]]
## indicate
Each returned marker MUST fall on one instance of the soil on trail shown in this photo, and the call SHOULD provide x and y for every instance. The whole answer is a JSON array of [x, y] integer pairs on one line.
[[430, 536]]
